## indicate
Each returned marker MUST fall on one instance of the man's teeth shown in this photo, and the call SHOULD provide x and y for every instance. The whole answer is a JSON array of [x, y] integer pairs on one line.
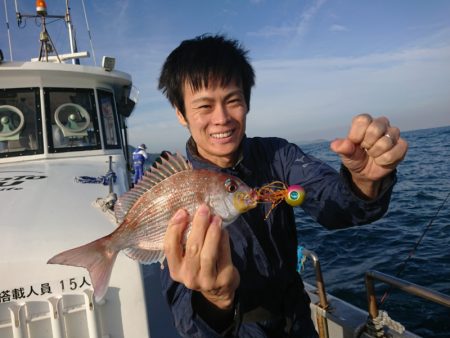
[[222, 135]]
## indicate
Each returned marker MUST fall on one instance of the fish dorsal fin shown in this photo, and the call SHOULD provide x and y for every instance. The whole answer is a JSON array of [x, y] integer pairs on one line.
[[154, 175]]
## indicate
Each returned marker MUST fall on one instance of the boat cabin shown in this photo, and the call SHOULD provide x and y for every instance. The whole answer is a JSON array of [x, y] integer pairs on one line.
[[49, 109]]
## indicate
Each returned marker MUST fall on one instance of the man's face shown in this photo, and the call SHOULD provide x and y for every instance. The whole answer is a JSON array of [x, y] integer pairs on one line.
[[216, 118]]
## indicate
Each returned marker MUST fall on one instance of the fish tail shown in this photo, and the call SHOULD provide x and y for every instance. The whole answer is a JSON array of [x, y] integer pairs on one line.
[[97, 257]]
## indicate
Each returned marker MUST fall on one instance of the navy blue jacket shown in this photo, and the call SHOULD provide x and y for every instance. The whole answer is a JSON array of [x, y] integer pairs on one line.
[[271, 300]]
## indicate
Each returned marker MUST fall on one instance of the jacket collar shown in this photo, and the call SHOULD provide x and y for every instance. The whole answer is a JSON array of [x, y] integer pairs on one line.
[[240, 169]]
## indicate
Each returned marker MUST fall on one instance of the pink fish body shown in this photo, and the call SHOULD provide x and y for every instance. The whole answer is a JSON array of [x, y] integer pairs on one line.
[[144, 213]]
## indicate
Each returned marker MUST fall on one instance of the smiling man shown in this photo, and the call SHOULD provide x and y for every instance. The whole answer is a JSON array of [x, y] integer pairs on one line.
[[216, 119], [242, 281]]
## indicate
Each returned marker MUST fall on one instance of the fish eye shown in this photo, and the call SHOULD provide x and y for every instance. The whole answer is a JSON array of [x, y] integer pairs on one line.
[[230, 185]]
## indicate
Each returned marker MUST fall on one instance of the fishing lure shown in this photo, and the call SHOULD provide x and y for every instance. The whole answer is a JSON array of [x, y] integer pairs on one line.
[[277, 191]]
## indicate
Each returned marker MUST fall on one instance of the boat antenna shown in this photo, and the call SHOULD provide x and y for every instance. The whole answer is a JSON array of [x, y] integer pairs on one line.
[[402, 268], [73, 44], [47, 45], [89, 32], [9, 33]]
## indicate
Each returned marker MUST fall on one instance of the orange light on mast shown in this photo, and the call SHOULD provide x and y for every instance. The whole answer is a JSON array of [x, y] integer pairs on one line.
[[41, 7]]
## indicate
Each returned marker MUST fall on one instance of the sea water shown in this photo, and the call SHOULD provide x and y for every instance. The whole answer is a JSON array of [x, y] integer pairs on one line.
[[345, 255]]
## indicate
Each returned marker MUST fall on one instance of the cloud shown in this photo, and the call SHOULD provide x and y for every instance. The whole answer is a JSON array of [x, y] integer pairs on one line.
[[315, 96], [369, 60], [307, 17], [271, 31], [338, 28], [299, 28], [304, 99]]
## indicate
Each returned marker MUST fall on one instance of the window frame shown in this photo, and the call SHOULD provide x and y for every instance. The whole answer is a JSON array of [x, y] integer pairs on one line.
[[37, 122], [101, 93], [93, 111]]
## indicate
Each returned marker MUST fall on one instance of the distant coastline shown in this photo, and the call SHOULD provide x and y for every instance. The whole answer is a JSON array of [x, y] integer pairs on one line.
[[153, 156], [305, 142]]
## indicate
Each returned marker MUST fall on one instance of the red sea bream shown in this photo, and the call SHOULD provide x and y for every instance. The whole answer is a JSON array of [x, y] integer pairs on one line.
[[144, 212]]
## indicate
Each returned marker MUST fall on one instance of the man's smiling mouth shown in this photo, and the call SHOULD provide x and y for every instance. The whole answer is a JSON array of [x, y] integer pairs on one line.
[[222, 135]]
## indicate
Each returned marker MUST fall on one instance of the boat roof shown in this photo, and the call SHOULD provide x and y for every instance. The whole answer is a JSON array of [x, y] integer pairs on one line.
[[18, 74]]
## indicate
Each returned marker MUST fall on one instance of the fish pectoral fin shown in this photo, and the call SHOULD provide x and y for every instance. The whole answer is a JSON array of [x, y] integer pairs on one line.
[[145, 256]]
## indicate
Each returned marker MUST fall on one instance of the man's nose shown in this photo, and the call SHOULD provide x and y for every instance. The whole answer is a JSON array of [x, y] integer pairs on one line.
[[220, 114]]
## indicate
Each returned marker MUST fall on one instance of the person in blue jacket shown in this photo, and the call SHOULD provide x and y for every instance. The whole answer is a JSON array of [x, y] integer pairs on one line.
[[139, 157], [242, 281]]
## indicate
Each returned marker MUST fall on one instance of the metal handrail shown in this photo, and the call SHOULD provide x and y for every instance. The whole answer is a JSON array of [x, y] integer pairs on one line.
[[403, 285], [323, 302]]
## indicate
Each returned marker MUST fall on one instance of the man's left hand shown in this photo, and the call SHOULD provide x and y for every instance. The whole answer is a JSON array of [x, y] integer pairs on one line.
[[371, 151]]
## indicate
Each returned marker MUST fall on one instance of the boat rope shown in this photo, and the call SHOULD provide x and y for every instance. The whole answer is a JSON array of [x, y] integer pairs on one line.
[[105, 180], [89, 33], [402, 268], [375, 327]]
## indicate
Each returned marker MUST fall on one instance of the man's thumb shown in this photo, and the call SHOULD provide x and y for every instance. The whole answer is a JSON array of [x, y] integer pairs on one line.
[[343, 146]]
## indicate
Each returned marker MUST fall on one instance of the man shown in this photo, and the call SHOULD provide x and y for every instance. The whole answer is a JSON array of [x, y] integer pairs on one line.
[[242, 280], [139, 157]]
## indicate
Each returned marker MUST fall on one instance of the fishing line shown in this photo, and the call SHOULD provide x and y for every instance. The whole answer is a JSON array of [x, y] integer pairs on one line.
[[402, 268], [89, 33]]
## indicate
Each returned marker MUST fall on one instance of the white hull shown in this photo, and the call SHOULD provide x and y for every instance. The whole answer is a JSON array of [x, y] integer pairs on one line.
[[44, 210]]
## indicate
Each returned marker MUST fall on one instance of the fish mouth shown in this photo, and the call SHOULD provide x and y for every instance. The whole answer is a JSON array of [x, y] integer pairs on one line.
[[244, 201]]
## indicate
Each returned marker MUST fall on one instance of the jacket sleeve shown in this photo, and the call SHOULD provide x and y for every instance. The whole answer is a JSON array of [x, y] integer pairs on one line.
[[186, 321], [329, 196]]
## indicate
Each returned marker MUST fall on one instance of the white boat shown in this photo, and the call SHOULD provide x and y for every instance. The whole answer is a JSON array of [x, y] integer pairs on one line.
[[63, 161], [63, 134]]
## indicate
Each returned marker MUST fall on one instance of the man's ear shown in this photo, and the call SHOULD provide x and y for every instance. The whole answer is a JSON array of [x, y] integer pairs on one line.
[[181, 118]]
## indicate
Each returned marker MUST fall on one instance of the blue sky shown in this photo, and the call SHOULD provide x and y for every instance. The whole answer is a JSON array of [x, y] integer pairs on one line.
[[317, 62]]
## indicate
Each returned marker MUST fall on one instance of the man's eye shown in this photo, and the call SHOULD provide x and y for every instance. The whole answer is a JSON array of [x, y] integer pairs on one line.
[[235, 102]]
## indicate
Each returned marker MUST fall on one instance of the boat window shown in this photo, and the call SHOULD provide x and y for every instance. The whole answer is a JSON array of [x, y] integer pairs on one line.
[[71, 119], [20, 122], [108, 119]]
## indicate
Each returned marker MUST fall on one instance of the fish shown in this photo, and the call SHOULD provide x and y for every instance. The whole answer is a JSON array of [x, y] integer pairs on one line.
[[143, 214]]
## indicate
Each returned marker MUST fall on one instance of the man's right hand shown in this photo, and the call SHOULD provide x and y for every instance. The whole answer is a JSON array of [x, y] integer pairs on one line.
[[204, 263]]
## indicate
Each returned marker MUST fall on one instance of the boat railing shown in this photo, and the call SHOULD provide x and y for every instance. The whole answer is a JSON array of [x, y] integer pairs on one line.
[[323, 302], [377, 317], [322, 326], [411, 288], [374, 313]]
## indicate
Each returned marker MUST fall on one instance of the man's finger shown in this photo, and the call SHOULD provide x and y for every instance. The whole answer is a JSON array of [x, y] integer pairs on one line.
[[200, 224], [194, 246], [211, 253], [357, 131], [343, 147], [385, 142], [376, 129], [391, 158], [173, 246]]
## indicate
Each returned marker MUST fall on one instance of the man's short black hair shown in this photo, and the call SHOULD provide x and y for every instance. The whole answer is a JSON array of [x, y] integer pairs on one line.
[[204, 59]]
